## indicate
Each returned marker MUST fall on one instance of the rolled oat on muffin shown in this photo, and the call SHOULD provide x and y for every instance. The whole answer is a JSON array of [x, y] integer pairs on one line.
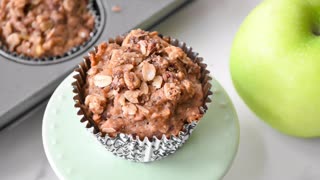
[[144, 87], [44, 28]]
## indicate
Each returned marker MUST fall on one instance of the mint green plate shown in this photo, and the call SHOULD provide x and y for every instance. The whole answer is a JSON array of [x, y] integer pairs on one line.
[[75, 154]]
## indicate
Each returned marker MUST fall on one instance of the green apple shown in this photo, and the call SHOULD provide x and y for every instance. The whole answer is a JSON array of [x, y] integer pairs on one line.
[[275, 65]]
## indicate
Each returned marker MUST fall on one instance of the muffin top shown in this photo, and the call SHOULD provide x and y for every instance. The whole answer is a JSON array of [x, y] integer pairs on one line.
[[44, 28], [143, 86]]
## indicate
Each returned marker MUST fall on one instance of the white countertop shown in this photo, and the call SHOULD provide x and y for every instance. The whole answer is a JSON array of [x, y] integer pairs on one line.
[[209, 26]]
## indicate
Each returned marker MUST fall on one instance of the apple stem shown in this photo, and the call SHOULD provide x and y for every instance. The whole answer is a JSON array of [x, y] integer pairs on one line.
[[316, 31]]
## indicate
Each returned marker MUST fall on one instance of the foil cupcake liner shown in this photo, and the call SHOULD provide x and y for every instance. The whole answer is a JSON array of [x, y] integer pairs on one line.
[[127, 146], [26, 59]]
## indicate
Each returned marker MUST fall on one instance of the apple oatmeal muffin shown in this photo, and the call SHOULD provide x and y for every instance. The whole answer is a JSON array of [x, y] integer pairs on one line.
[[44, 28], [145, 87]]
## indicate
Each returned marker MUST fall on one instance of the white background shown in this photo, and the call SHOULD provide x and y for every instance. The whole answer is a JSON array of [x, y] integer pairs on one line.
[[209, 26]]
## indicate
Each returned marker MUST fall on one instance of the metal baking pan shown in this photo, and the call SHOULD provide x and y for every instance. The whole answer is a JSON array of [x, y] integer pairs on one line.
[[24, 83]]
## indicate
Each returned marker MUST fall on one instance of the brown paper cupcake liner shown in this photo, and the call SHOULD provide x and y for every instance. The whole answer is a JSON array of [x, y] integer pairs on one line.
[[127, 146], [23, 58]]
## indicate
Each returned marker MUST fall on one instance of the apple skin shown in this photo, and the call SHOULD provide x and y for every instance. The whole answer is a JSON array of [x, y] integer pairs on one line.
[[275, 65]]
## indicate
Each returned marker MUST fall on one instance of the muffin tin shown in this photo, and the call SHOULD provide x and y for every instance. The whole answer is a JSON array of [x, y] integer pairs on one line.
[[26, 83]]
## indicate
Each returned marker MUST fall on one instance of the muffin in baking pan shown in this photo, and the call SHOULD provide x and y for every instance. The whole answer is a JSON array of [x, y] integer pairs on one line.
[[44, 28]]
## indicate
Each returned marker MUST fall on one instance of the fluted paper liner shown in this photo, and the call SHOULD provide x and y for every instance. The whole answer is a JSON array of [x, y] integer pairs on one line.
[[127, 146]]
